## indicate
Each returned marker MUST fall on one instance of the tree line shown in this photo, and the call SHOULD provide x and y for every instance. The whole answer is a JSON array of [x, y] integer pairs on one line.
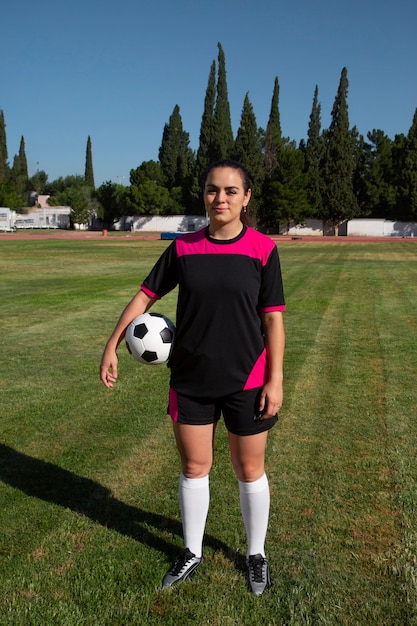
[[334, 175]]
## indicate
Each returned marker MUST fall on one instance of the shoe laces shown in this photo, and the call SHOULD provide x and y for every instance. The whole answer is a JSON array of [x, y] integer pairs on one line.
[[256, 568], [180, 562]]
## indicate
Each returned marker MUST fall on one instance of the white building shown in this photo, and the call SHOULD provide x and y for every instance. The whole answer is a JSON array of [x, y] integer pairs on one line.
[[46, 217], [7, 217]]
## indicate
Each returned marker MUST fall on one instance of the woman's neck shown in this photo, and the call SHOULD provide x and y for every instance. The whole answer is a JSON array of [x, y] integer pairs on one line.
[[225, 231]]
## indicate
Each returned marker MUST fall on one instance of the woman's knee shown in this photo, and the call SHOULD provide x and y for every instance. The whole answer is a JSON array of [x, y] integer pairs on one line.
[[195, 469], [248, 471]]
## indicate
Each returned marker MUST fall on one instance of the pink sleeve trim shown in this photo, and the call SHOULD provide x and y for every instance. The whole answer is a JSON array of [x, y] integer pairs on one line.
[[271, 309], [150, 293]]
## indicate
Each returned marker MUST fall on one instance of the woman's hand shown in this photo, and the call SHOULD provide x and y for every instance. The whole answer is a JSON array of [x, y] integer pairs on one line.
[[108, 367], [271, 399]]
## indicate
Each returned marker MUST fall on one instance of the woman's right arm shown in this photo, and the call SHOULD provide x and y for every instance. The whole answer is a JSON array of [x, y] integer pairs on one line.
[[139, 304]]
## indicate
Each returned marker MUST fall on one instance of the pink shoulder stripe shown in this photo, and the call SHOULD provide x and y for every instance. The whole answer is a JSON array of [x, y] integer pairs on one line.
[[253, 244], [191, 243]]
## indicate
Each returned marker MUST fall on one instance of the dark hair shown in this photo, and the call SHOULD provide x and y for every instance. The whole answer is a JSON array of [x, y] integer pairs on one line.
[[246, 178]]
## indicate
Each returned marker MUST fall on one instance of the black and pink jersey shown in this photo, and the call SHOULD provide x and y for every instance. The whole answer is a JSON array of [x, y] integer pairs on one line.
[[224, 286]]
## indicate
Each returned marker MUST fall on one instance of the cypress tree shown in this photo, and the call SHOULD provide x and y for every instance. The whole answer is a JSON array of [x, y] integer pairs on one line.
[[398, 152], [186, 160], [364, 160], [223, 142], [89, 173], [4, 167], [176, 160], [273, 136], [19, 177], [409, 173], [206, 130], [248, 149], [173, 150], [23, 159], [313, 153], [273, 146], [339, 202]]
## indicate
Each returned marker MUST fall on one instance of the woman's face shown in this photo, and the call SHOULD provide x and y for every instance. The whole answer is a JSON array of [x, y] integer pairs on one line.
[[225, 195]]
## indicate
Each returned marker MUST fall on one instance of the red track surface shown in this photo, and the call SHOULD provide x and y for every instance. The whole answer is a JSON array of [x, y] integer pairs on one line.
[[97, 235]]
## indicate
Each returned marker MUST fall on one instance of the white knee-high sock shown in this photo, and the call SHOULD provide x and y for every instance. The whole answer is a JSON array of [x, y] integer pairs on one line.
[[194, 495], [254, 504]]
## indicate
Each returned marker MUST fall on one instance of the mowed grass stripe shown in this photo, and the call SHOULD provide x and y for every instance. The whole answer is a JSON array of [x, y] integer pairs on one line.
[[334, 470], [310, 279], [395, 317]]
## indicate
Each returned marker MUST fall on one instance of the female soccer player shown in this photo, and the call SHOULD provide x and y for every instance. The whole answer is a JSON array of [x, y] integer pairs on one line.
[[227, 359]]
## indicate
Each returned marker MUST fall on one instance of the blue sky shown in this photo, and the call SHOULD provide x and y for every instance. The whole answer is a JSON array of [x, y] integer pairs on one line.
[[115, 71]]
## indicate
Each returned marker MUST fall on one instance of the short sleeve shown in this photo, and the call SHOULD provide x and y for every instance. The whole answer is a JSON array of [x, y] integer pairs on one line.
[[271, 296], [164, 275]]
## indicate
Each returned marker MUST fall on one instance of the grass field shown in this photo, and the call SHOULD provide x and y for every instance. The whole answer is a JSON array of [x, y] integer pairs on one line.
[[88, 492]]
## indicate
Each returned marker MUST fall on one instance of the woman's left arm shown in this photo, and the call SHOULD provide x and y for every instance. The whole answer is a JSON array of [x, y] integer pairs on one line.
[[272, 393]]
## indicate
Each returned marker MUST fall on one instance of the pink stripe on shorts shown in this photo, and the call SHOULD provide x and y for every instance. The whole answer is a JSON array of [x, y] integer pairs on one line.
[[173, 405]]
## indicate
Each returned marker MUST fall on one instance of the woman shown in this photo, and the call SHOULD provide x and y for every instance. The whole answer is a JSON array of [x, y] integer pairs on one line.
[[227, 359]]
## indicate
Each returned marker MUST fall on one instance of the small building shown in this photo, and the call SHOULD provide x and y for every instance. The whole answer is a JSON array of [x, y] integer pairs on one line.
[[46, 217], [6, 219]]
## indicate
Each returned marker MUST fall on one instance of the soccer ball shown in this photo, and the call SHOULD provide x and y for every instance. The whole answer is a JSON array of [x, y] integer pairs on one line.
[[149, 338]]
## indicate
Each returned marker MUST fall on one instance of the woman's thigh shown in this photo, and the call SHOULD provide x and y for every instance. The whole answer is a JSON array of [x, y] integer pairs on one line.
[[195, 446], [248, 455]]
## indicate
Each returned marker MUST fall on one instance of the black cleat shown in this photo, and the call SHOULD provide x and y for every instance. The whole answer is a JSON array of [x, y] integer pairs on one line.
[[259, 576], [183, 567]]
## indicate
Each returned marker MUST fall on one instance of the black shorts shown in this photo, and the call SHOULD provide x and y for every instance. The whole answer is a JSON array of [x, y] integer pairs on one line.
[[239, 410]]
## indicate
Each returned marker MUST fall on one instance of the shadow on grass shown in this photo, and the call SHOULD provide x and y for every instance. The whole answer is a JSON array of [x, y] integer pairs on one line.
[[84, 496]]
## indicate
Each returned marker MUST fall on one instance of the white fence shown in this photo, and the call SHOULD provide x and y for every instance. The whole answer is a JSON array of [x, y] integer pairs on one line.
[[162, 223], [354, 228], [381, 228], [53, 217], [311, 227], [59, 217]]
